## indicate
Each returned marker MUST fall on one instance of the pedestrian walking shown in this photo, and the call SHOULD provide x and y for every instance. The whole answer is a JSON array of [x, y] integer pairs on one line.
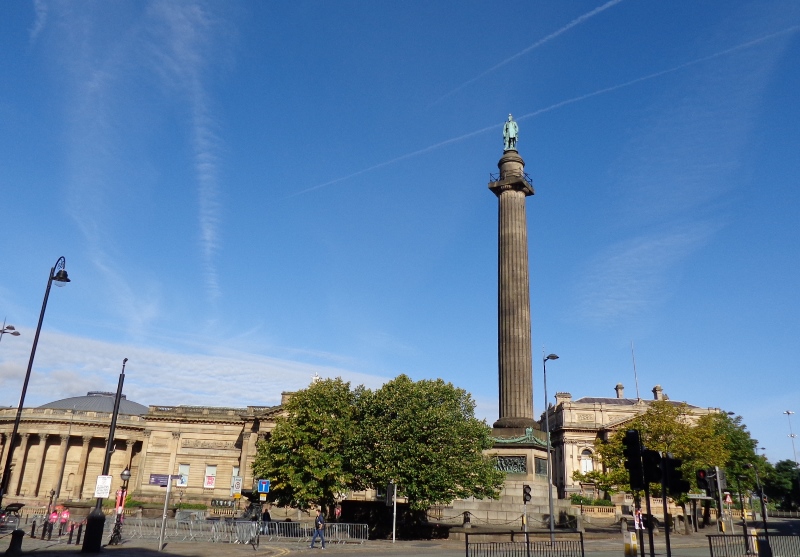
[[319, 529]]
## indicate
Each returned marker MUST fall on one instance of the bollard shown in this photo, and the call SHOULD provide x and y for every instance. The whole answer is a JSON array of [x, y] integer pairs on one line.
[[33, 529], [71, 530], [50, 532], [80, 531], [15, 547]]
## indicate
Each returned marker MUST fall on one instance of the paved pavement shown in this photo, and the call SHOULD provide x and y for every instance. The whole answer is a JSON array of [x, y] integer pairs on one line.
[[682, 546]]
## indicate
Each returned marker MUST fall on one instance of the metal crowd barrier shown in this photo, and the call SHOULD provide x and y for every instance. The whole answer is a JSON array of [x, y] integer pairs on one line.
[[237, 531]]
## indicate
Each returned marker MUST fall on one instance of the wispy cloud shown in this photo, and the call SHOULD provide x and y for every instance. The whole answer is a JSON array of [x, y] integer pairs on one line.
[[70, 366], [182, 46], [629, 277], [40, 9], [537, 44], [560, 104]]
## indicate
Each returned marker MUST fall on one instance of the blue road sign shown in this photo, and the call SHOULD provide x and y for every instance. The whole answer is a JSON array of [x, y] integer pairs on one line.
[[159, 479], [263, 486]]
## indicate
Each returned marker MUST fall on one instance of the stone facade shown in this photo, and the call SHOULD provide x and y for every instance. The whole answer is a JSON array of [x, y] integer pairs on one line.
[[576, 424], [62, 450]]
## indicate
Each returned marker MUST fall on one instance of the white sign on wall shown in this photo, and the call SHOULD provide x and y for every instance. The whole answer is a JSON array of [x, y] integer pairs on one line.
[[102, 489], [210, 482]]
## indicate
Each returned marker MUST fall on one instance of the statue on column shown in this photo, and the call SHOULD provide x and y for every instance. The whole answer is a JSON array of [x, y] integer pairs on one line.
[[510, 132]]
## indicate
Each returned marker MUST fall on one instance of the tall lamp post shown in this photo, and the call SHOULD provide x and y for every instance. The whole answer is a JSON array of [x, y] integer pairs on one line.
[[58, 274], [549, 464], [116, 535], [96, 519], [768, 548], [8, 330], [792, 436]]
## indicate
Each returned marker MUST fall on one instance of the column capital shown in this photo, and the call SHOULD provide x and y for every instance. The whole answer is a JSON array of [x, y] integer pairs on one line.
[[65, 438], [86, 439], [176, 435], [129, 442]]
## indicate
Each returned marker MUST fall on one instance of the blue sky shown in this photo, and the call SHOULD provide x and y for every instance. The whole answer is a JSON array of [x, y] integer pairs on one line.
[[248, 193]]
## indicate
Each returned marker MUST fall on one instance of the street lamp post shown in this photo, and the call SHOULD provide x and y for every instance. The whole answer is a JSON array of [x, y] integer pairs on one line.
[[768, 549], [744, 514], [792, 436], [549, 464], [96, 519], [8, 330], [58, 274], [116, 535]]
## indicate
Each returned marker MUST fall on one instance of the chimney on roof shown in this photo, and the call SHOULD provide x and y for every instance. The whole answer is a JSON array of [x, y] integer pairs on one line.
[[620, 388], [658, 393], [563, 397]]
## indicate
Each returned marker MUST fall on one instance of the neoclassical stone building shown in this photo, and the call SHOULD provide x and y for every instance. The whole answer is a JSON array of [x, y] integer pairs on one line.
[[576, 424], [61, 445]]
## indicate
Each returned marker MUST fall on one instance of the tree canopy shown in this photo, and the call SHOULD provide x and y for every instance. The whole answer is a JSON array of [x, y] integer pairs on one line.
[[306, 455], [422, 435], [712, 440]]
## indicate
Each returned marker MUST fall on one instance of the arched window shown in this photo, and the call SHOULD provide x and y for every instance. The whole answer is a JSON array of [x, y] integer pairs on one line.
[[587, 464]]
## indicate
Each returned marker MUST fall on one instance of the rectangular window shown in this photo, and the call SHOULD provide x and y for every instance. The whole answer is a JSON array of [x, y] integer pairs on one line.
[[234, 474], [183, 471], [540, 466], [211, 476]]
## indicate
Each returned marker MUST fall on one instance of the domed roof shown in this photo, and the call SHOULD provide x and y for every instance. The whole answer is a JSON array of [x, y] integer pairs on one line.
[[98, 401]]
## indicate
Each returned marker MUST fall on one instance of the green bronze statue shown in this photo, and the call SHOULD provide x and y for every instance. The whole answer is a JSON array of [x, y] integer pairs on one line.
[[510, 132]]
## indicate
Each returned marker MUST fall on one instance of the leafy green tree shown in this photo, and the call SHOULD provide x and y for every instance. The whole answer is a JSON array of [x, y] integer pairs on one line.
[[424, 436], [307, 456], [781, 484]]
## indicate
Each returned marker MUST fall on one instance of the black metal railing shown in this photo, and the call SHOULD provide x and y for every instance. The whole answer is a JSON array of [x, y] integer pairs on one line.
[[498, 176], [526, 544], [774, 545]]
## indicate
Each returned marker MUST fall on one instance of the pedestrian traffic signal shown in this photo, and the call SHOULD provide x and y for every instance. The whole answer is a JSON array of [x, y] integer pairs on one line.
[[651, 462], [722, 482], [632, 450], [526, 493], [702, 480], [673, 476]]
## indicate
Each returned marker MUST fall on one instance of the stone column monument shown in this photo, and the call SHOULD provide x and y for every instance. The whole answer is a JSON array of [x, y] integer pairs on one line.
[[512, 186]]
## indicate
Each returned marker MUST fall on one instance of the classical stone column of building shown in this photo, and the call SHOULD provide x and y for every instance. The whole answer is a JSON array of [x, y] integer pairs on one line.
[[128, 452], [3, 438], [18, 474], [37, 480], [243, 463], [514, 315], [142, 461], [173, 454], [80, 477], [62, 463]]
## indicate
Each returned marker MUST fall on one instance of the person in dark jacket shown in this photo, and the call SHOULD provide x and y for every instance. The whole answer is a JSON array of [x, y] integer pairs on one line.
[[319, 529]]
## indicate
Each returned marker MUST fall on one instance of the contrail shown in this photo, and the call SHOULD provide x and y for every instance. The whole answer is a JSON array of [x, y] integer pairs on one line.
[[742, 46], [540, 42], [566, 102]]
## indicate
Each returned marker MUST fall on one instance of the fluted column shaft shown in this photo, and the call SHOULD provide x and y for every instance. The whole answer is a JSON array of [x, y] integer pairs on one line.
[[515, 371], [514, 314]]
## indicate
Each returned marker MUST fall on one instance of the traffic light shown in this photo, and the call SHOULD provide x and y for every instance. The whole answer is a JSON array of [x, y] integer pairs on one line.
[[526, 493], [702, 480], [673, 475], [632, 450], [651, 462], [711, 477]]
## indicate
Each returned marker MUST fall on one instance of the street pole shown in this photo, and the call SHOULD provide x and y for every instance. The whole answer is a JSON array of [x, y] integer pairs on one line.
[[96, 519], [744, 515], [768, 548], [794, 452], [549, 458], [58, 274]]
